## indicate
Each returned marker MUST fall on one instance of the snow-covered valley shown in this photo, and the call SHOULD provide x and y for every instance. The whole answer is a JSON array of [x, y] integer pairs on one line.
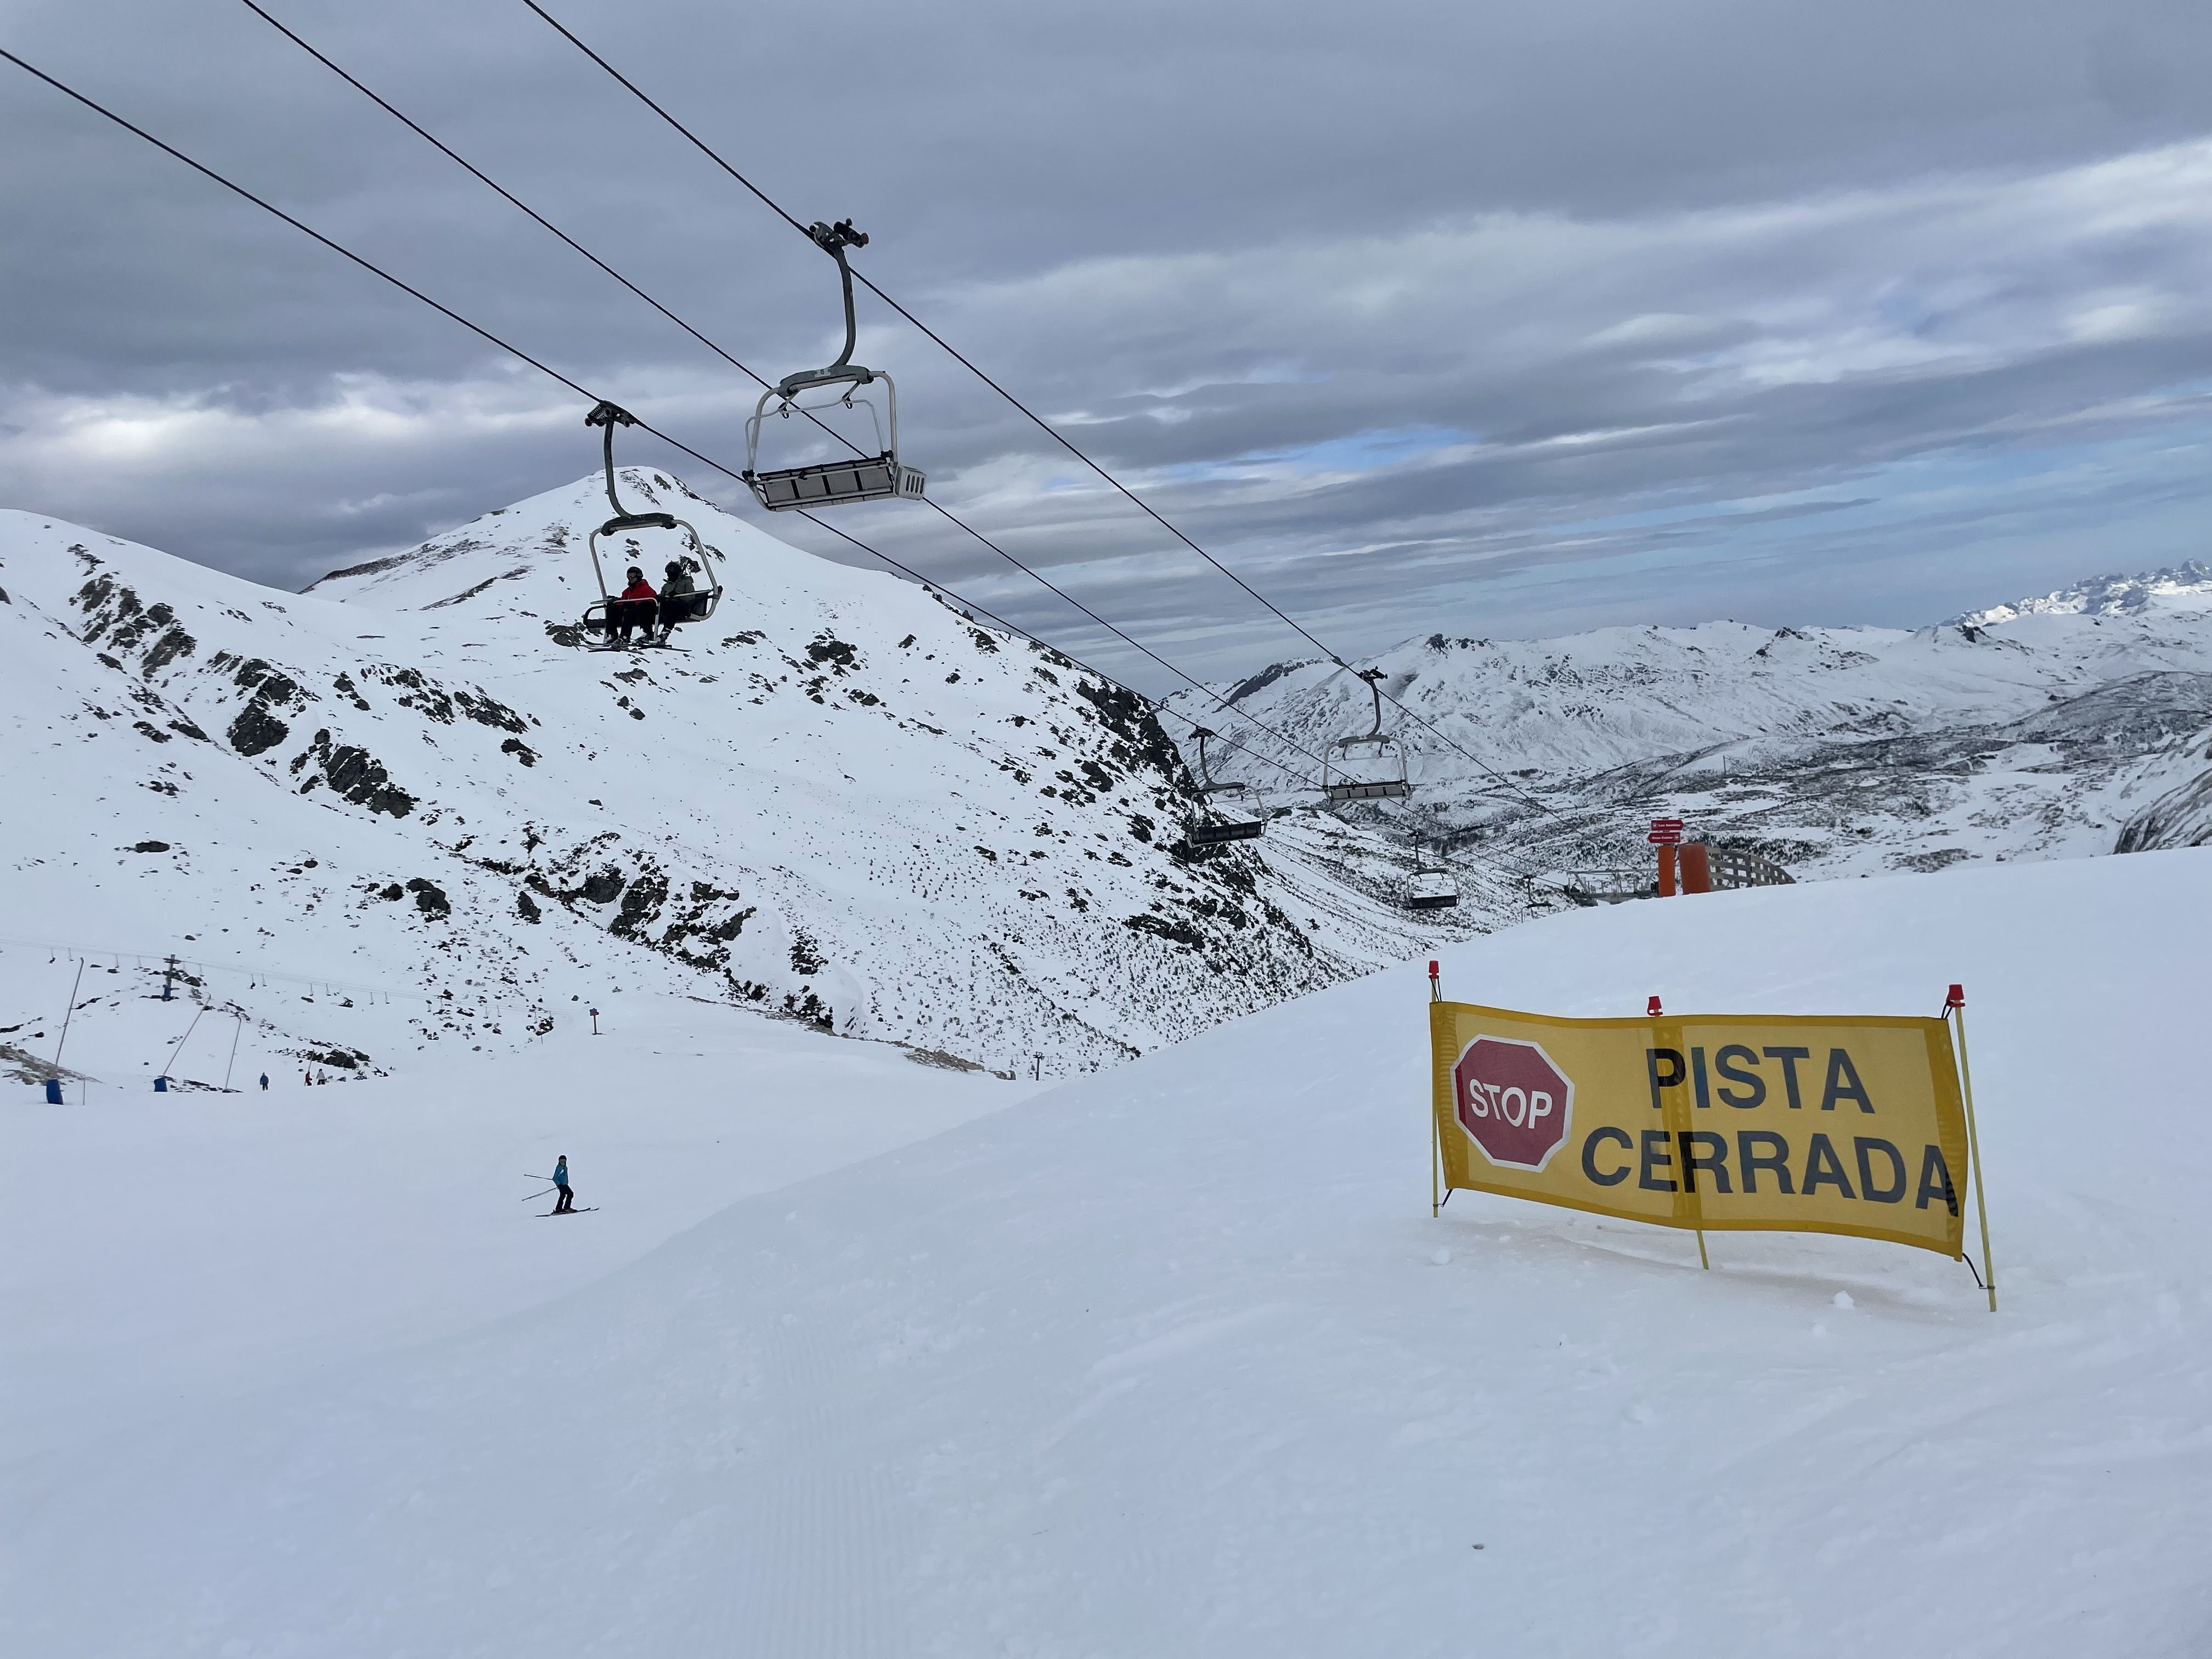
[[2057, 726]]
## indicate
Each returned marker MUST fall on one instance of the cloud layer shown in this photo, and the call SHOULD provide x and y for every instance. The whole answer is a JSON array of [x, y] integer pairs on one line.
[[1503, 323]]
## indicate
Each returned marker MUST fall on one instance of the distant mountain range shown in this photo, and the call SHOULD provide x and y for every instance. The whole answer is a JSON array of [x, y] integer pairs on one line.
[[2069, 724]]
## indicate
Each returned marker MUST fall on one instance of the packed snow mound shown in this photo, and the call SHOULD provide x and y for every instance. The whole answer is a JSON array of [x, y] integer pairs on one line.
[[842, 800], [1175, 1362], [2186, 586], [2039, 730]]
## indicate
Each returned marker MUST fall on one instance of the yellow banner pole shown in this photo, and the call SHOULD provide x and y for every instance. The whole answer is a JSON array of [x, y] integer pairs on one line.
[[1436, 1142], [1957, 1010]]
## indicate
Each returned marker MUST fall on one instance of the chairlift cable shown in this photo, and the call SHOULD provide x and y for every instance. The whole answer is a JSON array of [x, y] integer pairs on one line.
[[1038, 421], [478, 330], [531, 213]]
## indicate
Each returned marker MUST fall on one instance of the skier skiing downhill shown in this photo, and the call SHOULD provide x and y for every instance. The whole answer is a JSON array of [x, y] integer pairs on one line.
[[566, 1203]]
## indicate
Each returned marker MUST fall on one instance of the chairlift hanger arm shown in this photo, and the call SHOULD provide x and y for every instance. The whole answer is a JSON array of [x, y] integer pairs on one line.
[[607, 416], [833, 239]]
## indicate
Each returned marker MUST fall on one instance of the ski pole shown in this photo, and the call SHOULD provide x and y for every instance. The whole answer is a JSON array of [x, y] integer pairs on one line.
[[526, 1200]]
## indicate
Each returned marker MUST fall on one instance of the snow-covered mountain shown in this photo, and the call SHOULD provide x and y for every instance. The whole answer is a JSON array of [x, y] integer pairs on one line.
[[2036, 729], [2186, 586], [843, 801]]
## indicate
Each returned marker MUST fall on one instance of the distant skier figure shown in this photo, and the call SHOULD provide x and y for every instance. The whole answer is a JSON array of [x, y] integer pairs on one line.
[[264, 1082], [636, 608], [676, 597], [567, 1202]]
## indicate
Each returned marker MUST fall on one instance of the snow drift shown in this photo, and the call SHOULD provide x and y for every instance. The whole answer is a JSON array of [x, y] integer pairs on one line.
[[1173, 1361]]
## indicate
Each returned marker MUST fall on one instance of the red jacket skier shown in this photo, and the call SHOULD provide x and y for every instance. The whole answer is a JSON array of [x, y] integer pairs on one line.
[[636, 608]]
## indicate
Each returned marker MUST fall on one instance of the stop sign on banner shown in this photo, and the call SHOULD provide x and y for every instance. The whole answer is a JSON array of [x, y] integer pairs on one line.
[[1512, 1101], [1666, 832]]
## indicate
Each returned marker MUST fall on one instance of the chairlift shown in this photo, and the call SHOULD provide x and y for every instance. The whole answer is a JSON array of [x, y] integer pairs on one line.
[[670, 611], [1432, 886], [862, 477], [1369, 765], [1227, 814]]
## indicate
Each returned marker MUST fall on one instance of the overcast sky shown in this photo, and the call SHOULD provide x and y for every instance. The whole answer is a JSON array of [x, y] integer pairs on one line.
[[1505, 319]]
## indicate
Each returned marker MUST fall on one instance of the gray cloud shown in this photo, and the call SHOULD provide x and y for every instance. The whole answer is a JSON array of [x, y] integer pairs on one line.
[[1496, 319]]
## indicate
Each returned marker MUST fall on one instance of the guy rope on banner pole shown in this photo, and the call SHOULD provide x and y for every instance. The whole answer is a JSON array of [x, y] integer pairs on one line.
[[1954, 1009]]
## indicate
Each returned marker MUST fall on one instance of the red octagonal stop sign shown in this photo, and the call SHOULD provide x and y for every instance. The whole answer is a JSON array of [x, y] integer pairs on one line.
[[1512, 1101]]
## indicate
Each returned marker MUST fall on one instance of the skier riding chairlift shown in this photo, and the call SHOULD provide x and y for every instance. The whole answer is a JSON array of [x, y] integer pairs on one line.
[[600, 617], [1239, 822], [863, 477], [1367, 765]]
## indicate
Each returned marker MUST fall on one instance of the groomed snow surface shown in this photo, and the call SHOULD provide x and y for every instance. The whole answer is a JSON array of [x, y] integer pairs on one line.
[[1169, 1360]]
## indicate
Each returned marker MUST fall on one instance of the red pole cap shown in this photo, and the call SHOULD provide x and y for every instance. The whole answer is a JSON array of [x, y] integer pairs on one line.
[[1432, 970], [1652, 1008], [1957, 997]]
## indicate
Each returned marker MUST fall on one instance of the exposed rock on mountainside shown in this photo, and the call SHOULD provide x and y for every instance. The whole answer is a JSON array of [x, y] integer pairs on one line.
[[841, 801]]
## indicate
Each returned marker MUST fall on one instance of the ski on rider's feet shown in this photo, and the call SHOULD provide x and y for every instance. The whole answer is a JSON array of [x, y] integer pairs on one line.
[[581, 1209]]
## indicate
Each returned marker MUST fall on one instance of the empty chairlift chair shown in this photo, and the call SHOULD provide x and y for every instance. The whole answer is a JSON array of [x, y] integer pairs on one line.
[[671, 611], [1368, 766], [1229, 814], [1432, 887], [864, 476]]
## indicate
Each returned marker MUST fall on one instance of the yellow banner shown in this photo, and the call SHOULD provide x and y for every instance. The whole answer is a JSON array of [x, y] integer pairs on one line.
[[1725, 1122]]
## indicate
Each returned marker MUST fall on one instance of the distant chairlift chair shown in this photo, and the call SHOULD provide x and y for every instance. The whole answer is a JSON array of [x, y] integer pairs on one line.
[[1432, 887], [863, 477], [1220, 822], [1368, 766], [673, 610]]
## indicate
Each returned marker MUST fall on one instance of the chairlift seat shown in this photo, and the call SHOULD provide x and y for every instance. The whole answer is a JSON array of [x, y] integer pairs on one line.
[[1432, 902], [1213, 835], [697, 606], [832, 483], [1344, 789]]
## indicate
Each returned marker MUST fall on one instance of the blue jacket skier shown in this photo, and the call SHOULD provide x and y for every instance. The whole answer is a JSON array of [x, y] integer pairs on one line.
[[566, 1201]]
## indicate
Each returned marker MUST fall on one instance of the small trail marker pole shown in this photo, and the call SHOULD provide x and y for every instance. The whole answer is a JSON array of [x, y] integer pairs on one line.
[[69, 1012], [1954, 1005], [595, 1022], [1436, 1133]]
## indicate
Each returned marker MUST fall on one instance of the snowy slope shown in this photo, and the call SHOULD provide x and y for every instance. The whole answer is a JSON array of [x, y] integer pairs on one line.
[[843, 801], [2036, 729], [175, 1251], [1173, 1361]]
